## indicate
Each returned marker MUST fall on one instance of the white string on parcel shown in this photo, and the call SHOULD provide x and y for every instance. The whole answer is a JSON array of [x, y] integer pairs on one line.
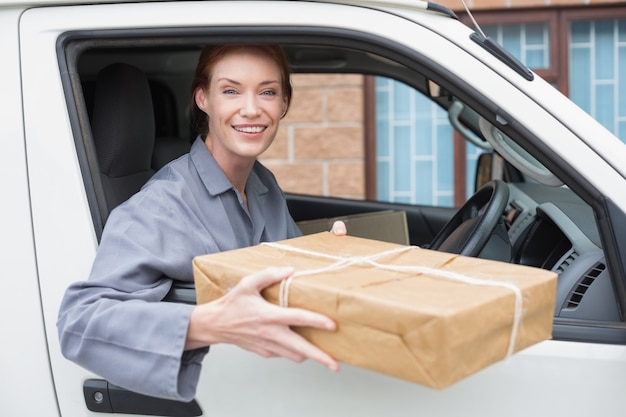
[[343, 262]]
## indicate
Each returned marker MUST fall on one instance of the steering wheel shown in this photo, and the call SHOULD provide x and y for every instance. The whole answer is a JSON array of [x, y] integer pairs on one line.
[[469, 230]]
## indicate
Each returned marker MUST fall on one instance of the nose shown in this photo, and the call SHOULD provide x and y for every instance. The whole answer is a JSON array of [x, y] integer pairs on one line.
[[250, 107]]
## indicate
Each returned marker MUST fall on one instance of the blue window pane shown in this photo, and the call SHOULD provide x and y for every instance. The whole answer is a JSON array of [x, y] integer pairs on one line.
[[414, 151], [423, 106], [472, 154], [401, 102], [381, 82], [402, 199], [536, 59], [604, 45], [470, 176], [382, 138], [445, 159], [580, 76], [621, 81], [424, 126], [382, 103], [424, 180], [445, 201], [424, 138], [382, 181], [605, 106], [512, 41], [621, 126], [402, 158], [535, 34], [580, 32], [598, 70], [529, 42], [491, 31], [621, 30]]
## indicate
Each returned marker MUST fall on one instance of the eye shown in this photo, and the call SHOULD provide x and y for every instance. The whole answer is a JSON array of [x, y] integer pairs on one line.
[[268, 93], [229, 91]]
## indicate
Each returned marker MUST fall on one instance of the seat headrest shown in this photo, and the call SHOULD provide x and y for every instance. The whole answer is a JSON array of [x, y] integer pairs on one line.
[[123, 121]]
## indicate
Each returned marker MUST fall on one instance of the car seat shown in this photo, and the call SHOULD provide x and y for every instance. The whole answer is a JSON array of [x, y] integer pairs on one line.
[[168, 143], [123, 129]]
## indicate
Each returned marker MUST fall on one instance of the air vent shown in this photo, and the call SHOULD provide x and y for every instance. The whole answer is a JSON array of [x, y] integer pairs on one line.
[[567, 262], [519, 225], [576, 296]]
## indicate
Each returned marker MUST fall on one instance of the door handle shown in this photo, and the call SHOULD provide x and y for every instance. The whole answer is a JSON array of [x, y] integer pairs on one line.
[[104, 397]]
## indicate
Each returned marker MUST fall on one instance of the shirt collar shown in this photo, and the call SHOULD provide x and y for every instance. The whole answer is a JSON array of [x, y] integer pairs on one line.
[[214, 178]]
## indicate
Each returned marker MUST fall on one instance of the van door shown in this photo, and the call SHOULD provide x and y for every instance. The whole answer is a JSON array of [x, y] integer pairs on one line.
[[67, 225]]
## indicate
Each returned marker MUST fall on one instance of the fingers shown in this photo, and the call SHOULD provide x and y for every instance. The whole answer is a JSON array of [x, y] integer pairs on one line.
[[270, 334], [310, 351], [274, 334], [296, 348], [339, 228], [267, 277], [243, 318], [287, 316]]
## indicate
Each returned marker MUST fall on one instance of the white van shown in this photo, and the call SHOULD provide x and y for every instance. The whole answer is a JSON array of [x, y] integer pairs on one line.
[[566, 209]]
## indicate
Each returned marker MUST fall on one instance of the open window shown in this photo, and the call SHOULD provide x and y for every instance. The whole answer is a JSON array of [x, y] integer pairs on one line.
[[550, 225]]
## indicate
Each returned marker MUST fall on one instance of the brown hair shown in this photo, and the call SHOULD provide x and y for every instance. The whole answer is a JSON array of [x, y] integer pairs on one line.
[[211, 54]]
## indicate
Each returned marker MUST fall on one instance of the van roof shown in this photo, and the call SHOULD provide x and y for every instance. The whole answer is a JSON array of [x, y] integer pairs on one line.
[[405, 4], [32, 3]]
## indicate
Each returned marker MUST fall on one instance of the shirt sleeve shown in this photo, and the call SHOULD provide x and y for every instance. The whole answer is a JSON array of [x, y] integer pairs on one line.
[[115, 324]]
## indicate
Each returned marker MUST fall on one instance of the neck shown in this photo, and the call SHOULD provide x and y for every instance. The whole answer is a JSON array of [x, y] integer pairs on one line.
[[238, 177], [236, 169]]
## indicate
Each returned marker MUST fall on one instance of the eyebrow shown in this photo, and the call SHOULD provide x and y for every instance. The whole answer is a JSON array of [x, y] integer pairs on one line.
[[238, 83]]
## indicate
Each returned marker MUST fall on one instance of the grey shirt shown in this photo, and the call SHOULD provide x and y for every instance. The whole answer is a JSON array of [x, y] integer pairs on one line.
[[115, 324]]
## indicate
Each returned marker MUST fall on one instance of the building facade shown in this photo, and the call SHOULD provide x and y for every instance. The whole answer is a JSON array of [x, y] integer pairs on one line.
[[577, 46]]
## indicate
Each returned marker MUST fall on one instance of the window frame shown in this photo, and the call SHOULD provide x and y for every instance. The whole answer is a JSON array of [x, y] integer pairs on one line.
[[566, 17], [550, 74]]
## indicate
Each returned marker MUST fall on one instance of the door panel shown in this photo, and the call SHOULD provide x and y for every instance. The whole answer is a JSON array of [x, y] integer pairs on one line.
[[423, 221]]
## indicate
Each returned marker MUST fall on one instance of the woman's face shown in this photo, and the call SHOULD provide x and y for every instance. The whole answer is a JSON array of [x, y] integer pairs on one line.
[[244, 103]]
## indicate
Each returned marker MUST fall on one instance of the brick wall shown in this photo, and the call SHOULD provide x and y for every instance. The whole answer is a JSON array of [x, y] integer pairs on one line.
[[319, 149]]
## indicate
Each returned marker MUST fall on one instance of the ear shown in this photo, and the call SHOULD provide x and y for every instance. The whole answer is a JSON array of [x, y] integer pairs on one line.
[[200, 99], [285, 107]]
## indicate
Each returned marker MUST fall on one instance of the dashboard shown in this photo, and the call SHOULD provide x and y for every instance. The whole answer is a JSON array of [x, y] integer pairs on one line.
[[552, 228]]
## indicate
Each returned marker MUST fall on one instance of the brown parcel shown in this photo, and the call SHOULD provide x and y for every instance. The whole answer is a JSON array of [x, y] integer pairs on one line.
[[419, 327]]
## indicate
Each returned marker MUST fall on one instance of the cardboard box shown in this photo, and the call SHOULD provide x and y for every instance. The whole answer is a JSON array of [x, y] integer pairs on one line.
[[386, 225], [441, 319]]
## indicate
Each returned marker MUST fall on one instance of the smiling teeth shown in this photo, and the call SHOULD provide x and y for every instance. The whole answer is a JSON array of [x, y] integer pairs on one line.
[[252, 129]]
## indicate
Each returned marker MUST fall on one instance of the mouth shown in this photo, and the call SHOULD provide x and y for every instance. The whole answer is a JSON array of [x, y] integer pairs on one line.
[[250, 129]]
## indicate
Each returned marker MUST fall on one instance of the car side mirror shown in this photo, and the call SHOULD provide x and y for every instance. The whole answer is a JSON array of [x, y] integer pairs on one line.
[[484, 170]]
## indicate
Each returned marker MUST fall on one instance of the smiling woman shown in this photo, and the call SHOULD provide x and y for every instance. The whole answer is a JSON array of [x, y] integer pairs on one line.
[[242, 107], [222, 198]]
